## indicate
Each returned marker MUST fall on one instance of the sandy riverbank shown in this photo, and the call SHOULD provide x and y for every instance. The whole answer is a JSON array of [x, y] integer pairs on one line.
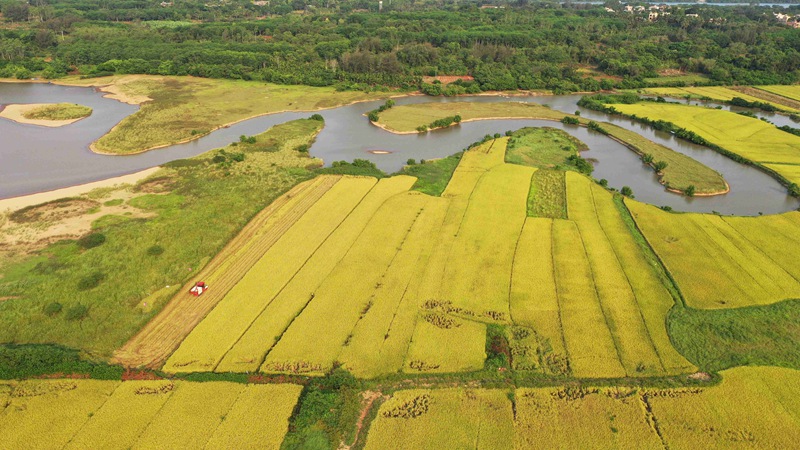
[[16, 113], [16, 203]]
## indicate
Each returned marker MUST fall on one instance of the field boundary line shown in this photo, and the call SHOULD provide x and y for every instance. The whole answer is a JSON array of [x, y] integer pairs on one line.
[[648, 247], [516, 249], [630, 286], [88, 418], [238, 397], [383, 276], [153, 418], [558, 298], [614, 337], [146, 347], [266, 305], [730, 257], [758, 249]]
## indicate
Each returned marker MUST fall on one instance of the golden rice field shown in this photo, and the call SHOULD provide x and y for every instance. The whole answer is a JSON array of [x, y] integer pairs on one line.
[[593, 417], [382, 279], [715, 93], [43, 414], [750, 138], [725, 262]]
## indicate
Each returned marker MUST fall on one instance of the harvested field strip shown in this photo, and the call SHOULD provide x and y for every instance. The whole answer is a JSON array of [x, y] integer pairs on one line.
[[247, 354], [381, 336], [210, 340], [122, 419], [346, 292], [478, 271], [447, 418], [44, 414], [616, 296], [721, 93], [653, 298], [258, 419], [792, 93], [590, 345], [533, 299], [782, 102], [162, 335], [190, 416]]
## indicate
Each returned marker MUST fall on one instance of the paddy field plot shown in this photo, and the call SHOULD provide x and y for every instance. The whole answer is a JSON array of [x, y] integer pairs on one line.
[[715, 93], [605, 417], [791, 92], [749, 138], [145, 414], [382, 279], [725, 262]]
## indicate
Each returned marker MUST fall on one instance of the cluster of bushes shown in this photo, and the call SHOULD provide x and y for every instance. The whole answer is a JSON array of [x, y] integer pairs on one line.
[[362, 167], [647, 158], [458, 87], [373, 115], [738, 101], [222, 157], [594, 126], [31, 360], [326, 412], [569, 120]]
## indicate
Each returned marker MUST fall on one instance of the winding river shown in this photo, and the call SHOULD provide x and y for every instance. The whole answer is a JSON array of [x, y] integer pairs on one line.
[[35, 159]]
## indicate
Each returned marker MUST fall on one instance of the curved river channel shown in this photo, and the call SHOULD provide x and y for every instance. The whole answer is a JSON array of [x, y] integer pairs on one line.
[[35, 159]]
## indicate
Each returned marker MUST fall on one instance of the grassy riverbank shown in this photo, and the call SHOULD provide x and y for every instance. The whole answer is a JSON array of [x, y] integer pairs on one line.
[[751, 139], [179, 109], [680, 173], [94, 293], [58, 111]]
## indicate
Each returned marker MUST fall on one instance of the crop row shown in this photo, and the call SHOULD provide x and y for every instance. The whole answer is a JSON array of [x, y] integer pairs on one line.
[[145, 414], [589, 417]]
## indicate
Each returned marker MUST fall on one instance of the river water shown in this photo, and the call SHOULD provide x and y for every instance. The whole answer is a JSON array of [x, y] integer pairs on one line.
[[35, 159]]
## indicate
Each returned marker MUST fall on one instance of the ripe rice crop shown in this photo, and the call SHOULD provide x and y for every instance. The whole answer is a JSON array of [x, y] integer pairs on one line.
[[616, 296], [750, 138], [346, 293], [478, 270], [717, 266], [451, 345], [753, 407], [190, 416], [577, 417], [447, 418], [164, 333], [208, 342], [248, 352], [259, 419], [124, 416], [382, 334], [534, 300], [44, 414], [590, 346]]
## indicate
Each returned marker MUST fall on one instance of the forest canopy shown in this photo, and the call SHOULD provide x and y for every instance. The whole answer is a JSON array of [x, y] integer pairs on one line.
[[353, 45]]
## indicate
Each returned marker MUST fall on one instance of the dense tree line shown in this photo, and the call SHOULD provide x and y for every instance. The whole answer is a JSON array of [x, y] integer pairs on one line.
[[352, 45]]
